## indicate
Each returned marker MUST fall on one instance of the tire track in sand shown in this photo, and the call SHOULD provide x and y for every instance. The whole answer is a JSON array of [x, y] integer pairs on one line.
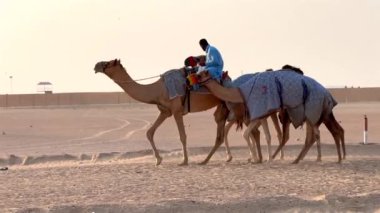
[[130, 133], [98, 134]]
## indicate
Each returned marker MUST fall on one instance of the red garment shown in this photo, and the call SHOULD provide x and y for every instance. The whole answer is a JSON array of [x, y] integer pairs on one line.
[[191, 61]]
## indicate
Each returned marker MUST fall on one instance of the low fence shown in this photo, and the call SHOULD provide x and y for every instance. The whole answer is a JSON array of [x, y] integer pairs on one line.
[[342, 95], [366, 94]]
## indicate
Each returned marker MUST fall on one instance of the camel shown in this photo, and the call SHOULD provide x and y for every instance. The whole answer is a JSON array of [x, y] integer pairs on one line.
[[156, 93], [283, 135], [332, 125], [312, 132], [238, 115]]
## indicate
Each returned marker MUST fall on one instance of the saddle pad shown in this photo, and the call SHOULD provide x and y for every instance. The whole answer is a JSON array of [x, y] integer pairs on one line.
[[302, 96], [318, 98], [175, 83], [242, 79]]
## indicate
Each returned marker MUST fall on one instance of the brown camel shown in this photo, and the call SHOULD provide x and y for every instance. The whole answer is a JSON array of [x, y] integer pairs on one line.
[[234, 95], [156, 93]]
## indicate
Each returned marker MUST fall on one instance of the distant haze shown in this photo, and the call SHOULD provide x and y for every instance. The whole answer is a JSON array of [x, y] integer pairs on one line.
[[337, 42]]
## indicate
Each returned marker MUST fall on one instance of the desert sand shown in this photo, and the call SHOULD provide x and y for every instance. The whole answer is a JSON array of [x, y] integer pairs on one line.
[[97, 159]]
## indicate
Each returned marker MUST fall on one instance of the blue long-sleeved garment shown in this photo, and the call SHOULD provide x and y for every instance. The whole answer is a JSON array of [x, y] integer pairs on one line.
[[214, 62]]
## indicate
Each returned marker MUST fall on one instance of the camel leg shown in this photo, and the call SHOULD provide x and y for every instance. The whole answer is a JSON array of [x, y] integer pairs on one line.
[[182, 136], [226, 131], [279, 132], [255, 152], [342, 140], [285, 133], [335, 131], [150, 134], [341, 134], [310, 137], [253, 125], [340, 131], [252, 148], [317, 138], [220, 116], [264, 124], [177, 110]]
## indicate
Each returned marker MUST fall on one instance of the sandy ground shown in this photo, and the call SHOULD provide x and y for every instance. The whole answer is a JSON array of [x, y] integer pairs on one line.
[[97, 159]]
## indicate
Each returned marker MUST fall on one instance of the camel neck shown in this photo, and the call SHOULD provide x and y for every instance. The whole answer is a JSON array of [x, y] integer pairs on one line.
[[139, 92], [226, 94]]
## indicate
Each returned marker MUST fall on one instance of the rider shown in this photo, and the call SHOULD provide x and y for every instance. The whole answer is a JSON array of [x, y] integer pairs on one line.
[[214, 61], [192, 64]]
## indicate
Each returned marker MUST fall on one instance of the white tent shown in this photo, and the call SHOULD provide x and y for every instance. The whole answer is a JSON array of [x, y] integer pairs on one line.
[[45, 87]]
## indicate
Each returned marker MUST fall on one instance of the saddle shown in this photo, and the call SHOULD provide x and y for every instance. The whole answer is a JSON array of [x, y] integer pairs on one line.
[[192, 84]]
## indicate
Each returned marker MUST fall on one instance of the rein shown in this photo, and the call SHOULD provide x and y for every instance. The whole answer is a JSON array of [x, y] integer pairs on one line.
[[108, 65], [205, 81], [141, 79]]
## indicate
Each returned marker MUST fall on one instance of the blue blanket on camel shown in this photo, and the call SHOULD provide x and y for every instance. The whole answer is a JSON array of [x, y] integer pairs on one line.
[[302, 96]]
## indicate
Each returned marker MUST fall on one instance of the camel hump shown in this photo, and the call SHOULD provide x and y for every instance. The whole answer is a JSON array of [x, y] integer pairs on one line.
[[295, 69]]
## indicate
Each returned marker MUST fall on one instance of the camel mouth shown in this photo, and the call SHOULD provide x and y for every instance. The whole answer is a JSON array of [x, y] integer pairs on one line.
[[99, 67]]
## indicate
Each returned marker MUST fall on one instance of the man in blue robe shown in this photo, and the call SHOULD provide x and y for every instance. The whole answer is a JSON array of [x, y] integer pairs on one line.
[[214, 61]]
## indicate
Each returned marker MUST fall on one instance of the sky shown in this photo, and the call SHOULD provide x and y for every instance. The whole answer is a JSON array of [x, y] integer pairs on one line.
[[336, 42]]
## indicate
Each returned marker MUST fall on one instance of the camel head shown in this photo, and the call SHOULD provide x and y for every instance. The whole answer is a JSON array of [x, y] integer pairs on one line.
[[106, 67]]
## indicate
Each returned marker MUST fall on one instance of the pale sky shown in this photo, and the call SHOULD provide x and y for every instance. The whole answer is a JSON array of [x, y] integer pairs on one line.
[[336, 42]]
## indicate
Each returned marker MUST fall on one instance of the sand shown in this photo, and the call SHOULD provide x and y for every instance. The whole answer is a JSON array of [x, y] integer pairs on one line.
[[97, 159]]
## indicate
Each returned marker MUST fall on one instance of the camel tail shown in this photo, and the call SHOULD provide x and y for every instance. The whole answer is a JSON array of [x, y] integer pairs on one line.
[[239, 124], [240, 113]]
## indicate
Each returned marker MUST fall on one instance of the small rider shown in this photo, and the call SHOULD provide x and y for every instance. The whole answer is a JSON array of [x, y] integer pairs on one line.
[[192, 65], [194, 62]]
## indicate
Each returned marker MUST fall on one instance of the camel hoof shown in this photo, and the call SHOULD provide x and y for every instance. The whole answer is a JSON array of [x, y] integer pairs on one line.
[[319, 160], [295, 162], [203, 163], [158, 160], [183, 163], [255, 162], [229, 159]]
